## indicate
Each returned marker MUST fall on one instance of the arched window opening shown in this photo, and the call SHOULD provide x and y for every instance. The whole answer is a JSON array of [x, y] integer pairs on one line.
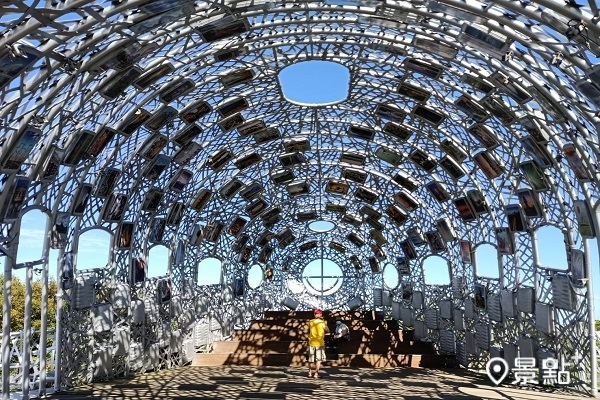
[[209, 271], [93, 249], [158, 261], [255, 276], [33, 230], [391, 277], [486, 261], [552, 252], [436, 271]]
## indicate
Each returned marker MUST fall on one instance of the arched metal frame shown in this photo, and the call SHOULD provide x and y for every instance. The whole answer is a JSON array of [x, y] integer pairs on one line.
[[482, 113]]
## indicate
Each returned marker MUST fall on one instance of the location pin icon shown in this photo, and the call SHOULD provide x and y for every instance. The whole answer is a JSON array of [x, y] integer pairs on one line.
[[497, 369]]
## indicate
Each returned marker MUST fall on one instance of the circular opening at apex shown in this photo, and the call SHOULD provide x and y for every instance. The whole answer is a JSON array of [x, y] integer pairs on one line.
[[315, 83], [321, 226]]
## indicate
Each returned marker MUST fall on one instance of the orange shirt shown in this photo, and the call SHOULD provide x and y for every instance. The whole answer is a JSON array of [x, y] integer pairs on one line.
[[317, 328]]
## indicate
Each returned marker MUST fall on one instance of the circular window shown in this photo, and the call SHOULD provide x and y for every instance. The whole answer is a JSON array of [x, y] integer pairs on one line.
[[391, 278], [322, 277], [321, 226], [255, 276]]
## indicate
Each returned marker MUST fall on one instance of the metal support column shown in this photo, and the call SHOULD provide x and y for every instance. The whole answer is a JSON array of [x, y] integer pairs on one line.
[[9, 264], [44, 311], [58, 333], [7, 306], [26, 343], [592, 322]]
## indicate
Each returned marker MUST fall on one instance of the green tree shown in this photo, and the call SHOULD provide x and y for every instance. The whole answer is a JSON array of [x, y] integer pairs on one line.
[[598, 325], [17, 312], [36, 306]]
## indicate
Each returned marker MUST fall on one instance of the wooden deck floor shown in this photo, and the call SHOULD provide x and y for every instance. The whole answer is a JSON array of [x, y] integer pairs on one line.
[[290, 383]]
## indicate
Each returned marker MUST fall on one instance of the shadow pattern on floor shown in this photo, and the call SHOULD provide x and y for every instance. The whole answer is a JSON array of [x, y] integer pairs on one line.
[[286, 383]]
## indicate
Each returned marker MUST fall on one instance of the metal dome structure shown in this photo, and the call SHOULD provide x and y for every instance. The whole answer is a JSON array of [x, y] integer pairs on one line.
[[164, 122]]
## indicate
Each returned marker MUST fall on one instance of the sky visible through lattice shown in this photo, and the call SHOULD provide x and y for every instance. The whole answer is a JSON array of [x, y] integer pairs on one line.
[[313, 84]]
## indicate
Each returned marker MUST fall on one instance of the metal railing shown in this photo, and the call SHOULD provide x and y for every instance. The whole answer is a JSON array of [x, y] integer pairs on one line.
[[41, 375]]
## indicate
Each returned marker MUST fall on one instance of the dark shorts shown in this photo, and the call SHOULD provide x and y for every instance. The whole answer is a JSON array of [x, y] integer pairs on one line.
[[316, 353]]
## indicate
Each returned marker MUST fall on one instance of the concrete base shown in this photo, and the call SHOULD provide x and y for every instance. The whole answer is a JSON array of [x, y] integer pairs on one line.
[[288, 383]]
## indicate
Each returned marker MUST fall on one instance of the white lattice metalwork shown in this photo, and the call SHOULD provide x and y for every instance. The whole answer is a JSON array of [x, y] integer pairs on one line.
[[163, 122]]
